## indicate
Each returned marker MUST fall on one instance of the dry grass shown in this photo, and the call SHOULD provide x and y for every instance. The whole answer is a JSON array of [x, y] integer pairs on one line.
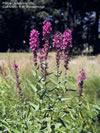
[[91, 64]]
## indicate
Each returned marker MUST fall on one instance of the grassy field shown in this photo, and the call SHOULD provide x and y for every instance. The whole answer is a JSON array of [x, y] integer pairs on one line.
[[91, 64], [12, 120]]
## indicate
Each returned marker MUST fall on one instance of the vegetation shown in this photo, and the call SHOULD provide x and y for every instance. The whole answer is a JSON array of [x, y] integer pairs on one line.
[[60, 109], [43, 93]]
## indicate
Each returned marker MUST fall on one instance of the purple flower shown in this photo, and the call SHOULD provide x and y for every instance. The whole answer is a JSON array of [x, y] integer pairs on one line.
[[62, 43], [47, 28], [83, 74], [57, 44], [81, 79], [34, 44], [67, 43], [17, 80], [15, 65], [67, 39], [58, 40], [44, 51], [34, 40]]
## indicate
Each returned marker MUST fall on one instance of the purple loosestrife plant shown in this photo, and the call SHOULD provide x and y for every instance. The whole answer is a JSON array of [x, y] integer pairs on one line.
[[17, 80], [81, 79], [57, 44], [47, 28], [34, 44], [67, 44], [62, 44]]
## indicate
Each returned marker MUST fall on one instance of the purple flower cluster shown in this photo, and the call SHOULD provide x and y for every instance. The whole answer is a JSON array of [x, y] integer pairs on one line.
[[62, 44], [57, 44], [67, 43], [63, 41], [17, 80], [44, 51], [58, 40], [81, 79], [67, 39], [34, 44], [47, 28]]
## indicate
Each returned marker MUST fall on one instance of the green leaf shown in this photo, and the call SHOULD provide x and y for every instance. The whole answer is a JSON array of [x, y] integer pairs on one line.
[[57, 125], [96, 107], [49, 127], [36, 130], [53, 81], [32, 86], [6, 126], [34, 73], [40, 85], [36, 107], [14, 130], [65, 99]]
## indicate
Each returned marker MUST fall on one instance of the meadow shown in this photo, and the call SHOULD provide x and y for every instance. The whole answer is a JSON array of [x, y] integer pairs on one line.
[[53, 106]]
